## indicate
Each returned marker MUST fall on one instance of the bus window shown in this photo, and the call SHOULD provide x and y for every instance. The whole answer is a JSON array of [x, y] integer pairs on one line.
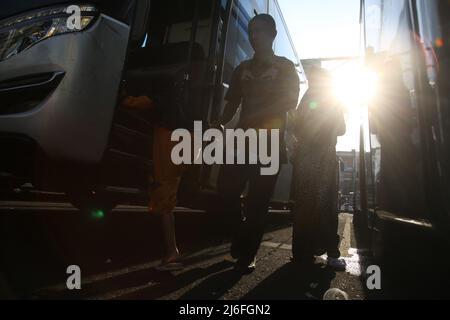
[[283, 45], [430, 35], [443, 56], [394, 114], [238, 45], [387, 26], [254, 7], [430, 31], [442, 47], [433, 25]]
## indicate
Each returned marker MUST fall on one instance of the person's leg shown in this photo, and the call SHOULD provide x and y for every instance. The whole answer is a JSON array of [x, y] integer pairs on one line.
[[302, 248], [171, 249], [333, 236], [332, 217], [260, 192], [306, 216], [231, 184], [168, 201], [163, 197]]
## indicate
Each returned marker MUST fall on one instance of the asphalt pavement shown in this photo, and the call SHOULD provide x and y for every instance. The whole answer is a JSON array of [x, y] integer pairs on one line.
[[118, 252]]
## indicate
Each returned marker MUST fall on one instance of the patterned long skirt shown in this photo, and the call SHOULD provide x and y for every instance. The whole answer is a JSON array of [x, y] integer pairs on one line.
[[316, 192]]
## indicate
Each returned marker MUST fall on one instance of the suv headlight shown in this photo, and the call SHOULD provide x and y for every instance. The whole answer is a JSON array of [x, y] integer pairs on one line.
[[21, 32]]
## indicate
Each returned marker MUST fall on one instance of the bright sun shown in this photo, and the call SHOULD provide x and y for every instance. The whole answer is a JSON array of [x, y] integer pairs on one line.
[[354, 85]]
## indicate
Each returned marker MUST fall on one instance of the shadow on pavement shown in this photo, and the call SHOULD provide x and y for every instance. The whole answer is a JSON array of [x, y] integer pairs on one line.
[[178, 282], [149, 278], [294, 282], [214, 287]]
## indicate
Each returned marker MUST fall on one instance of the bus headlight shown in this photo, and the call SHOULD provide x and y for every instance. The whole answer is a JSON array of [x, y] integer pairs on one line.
[[21, 32]]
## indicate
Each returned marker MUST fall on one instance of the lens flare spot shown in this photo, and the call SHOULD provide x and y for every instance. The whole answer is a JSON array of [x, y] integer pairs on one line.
[[97, 214], [313, 105]]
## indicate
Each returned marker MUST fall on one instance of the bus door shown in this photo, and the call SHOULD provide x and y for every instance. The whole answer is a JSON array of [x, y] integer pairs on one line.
[[169, 62], [433, 57], [396, 126]]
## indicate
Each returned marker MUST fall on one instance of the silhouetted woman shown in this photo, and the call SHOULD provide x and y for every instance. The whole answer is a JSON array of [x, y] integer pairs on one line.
[[319, 121]]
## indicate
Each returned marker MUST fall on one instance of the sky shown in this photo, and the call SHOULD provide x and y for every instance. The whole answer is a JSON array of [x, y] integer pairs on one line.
[[323, 28], [327, 29]]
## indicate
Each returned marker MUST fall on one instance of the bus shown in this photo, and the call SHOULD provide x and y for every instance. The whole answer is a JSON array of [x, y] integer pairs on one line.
[[62, 127], [405, 150]]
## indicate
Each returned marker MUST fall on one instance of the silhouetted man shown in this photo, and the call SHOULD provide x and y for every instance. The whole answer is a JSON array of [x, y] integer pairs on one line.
[[267, 87]]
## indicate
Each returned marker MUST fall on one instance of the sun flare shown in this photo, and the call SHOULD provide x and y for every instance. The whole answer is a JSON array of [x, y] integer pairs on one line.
[[354, 85]]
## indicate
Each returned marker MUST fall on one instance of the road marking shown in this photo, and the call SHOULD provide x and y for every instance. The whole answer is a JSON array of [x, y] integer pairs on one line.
[[269, 244], [275, 245], [346, 239], [286, 247]]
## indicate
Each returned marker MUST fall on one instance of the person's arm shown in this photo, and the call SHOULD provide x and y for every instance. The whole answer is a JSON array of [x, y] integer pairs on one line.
[[289, 87], [233, 98], [341, 127], [331, 123], [229, 112]]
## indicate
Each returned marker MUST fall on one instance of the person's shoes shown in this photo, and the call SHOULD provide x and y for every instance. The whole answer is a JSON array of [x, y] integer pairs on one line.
[[307, 263], [320, 252], [314, 260], [337, 264], [334, 253], [245, 267]]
